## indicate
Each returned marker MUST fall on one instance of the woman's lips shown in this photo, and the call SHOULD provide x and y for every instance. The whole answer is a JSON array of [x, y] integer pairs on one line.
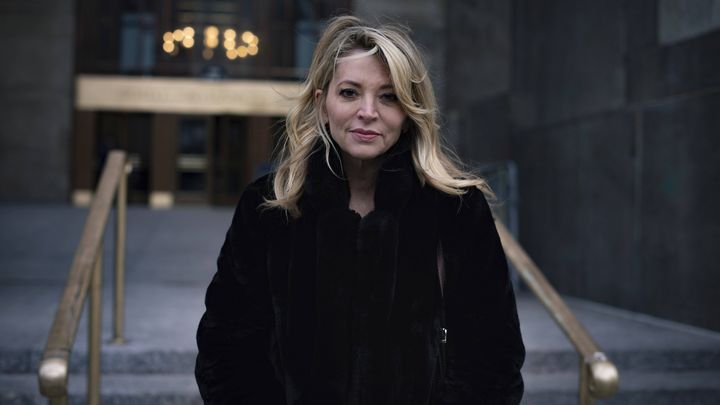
[[364, 135]]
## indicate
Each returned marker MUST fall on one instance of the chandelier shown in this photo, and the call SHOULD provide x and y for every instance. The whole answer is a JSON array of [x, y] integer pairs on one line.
[[235, 46]]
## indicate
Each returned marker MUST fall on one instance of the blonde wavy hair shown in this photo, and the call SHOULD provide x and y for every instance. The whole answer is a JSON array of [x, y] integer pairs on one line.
[[433, 162]]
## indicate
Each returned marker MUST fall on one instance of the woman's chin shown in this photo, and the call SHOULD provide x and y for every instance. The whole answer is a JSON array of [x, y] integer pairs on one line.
[[364, 152]]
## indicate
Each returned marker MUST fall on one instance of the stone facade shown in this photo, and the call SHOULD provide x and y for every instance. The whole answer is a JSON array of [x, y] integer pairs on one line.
[[611, 115], [36, 99]]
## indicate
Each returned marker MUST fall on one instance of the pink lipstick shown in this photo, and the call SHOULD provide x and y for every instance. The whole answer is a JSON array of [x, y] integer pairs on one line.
[[364, 135]]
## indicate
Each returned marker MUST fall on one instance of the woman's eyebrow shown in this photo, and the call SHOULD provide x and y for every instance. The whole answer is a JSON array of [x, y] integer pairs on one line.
[[356, 84], [350, 82]]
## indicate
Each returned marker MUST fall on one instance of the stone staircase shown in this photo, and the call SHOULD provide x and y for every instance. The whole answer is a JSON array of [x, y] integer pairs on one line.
[[659, 362], [170, 260]]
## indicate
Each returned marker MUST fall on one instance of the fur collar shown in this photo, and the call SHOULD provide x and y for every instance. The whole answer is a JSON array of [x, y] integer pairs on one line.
[[325, 191]]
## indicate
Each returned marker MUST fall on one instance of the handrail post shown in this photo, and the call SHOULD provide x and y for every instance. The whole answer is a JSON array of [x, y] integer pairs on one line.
[[85, 278], [58, 400], [585, 397], [120, 226], [95, 325]]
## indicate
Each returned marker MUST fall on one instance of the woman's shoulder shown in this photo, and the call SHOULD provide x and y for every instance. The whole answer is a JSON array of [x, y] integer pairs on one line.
[[260, 187], [254, 196], [472, 202]]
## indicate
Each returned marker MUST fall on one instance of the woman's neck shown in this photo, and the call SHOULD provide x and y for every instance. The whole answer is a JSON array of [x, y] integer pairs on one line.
[[362, 177]]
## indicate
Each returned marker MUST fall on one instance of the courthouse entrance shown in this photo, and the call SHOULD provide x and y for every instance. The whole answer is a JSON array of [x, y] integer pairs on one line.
[[189, 140]]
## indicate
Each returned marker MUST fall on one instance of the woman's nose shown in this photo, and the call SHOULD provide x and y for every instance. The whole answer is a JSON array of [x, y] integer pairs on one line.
[[368, 108]]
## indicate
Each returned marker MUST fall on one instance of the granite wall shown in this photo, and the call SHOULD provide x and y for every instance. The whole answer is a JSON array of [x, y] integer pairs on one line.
[[35, 99], [612, 112]]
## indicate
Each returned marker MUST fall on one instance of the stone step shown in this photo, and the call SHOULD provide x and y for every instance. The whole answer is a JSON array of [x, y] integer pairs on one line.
[[129, 360], [114, 359], [686, 388], [636, 388], [138, 389], [162, 318]]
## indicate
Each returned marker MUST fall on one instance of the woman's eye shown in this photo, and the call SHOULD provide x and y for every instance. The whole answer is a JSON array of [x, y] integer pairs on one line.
[[348, 93], [389, 97]]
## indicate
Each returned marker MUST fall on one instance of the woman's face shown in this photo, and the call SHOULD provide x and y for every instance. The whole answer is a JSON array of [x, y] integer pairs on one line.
[[364, 115]]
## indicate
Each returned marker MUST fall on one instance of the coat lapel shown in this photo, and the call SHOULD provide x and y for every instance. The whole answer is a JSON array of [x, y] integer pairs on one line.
[[326, 187]]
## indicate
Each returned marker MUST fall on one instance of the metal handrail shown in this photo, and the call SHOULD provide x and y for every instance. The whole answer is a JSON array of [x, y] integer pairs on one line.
[[598, 375], [86, 274]]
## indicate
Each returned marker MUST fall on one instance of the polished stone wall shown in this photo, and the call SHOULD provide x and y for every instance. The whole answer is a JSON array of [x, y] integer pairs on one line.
[[612, 112], [35, 99], [478, 78]]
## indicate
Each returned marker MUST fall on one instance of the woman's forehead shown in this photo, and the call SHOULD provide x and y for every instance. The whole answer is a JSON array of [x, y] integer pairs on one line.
[[357, 52], [359, 61], [362, 67]]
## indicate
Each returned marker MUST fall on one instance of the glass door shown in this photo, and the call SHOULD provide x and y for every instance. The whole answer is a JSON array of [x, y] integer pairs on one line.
[[193, 144]]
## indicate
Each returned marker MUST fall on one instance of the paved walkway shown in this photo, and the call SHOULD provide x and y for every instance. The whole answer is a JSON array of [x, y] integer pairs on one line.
[[171, 258]]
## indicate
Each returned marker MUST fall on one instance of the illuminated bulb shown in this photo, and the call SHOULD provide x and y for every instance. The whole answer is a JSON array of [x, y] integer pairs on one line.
[[230, 34], [211, 31], [207, 54], [168, 46], [188, 42], [178, 35], [231, 54], [254, 40], [168, 36], [253, 50], [247, 37], [242, 51], [211, 42], [229, 44], [189, 32]]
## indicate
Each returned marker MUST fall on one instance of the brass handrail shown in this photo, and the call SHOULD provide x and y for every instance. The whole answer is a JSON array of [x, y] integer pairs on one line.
[[598, 375], [86, 274]]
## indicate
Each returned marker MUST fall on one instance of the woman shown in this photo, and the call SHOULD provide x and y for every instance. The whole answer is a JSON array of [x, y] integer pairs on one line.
[[367, 268]]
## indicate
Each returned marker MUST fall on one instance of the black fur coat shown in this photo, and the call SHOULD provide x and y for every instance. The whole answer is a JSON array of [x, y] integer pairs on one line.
[[336, 309]]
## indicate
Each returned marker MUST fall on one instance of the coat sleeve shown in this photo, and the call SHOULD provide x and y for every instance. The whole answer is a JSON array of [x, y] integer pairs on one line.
[[233, 364], [484, 349]]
